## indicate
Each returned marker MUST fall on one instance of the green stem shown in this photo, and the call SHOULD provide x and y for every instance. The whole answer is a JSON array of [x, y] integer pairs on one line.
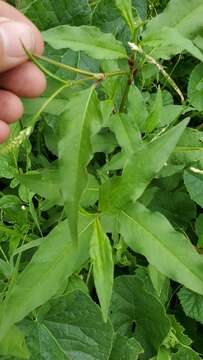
[[17, 141], [151, 60], [41, 67], [96, 76]]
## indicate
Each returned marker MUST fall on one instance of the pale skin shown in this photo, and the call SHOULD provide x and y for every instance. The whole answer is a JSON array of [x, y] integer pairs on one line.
[[18, 76]]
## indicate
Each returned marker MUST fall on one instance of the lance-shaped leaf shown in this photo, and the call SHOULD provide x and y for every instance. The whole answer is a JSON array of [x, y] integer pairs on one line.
[[85, 38], [125, 7], [103, 266], [151, 234], [193, 179], [75, 151], [54, 261], [140, 168]]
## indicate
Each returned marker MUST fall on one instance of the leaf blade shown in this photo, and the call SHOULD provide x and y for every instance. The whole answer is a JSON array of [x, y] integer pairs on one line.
[[85, 38]]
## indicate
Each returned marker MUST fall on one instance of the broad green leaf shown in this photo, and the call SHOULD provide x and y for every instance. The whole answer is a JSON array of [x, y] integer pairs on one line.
[[192, 304], [199, 230], [195, 87], [86, 38], [155, 114], [179, 332], [126, 131], [125, 7], [107, 17], [185, 353], [169, 42], [77, 125], [13, 344], [43, 182], [189, 150], [193, 180], [130, 309], [184, 16], [163, 354], [103, 266], [137, 107], [170, 114], [54, 261], [160, 283], [140, 168], [150, 234], [175, 205], [46, 14], [56, 107], [125, 348], [91, 193], [72, 329]]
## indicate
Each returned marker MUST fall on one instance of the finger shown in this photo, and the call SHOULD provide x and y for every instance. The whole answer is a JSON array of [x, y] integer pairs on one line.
[[25, 80], [11, 107], [4, 131], [10, 12]]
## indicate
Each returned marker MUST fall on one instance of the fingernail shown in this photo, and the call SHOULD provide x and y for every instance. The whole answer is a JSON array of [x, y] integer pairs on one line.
[[12, 35]]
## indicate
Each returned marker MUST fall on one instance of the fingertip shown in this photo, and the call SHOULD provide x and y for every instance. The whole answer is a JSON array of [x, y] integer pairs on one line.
[[4, 131], [26, 80], [11, 107]]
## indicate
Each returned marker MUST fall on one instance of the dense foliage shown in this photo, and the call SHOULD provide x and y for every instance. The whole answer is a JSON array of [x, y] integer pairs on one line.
[[102, 187]]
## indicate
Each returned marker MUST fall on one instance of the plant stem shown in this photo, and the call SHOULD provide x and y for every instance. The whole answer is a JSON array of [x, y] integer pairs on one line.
[[151, 60], [96, 76], [41, 67]]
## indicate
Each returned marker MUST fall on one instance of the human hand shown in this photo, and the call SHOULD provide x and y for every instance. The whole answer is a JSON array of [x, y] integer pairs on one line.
[[18, 76]]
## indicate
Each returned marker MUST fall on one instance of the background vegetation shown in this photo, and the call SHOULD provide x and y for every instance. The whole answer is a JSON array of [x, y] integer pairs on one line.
[[101, 225]]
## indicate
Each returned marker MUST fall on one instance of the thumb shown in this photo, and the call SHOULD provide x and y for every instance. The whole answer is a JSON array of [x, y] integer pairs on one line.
[[12, 35]]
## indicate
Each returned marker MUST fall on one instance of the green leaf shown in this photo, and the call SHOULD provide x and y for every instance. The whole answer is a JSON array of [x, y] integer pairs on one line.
[[185, 354], [179, 330], [46, 14], [184, 16], [130, 309], [189, 150], [199, 230], [126, 131], [160, 283], [72, 329], [54, 261], [125, 7], [193, 179], [169, 42], [13, 344], [125, 348], [140, 168], [107, 17], [137, 109], [175, 205], [195, 87], [155, 114], [192, 304], [86, 38], [43, 182], [103, 267], [150, 234], [77, 125], [163, 354]]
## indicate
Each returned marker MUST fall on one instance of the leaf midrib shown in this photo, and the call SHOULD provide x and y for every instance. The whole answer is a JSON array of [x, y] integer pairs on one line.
[[164, 246]]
